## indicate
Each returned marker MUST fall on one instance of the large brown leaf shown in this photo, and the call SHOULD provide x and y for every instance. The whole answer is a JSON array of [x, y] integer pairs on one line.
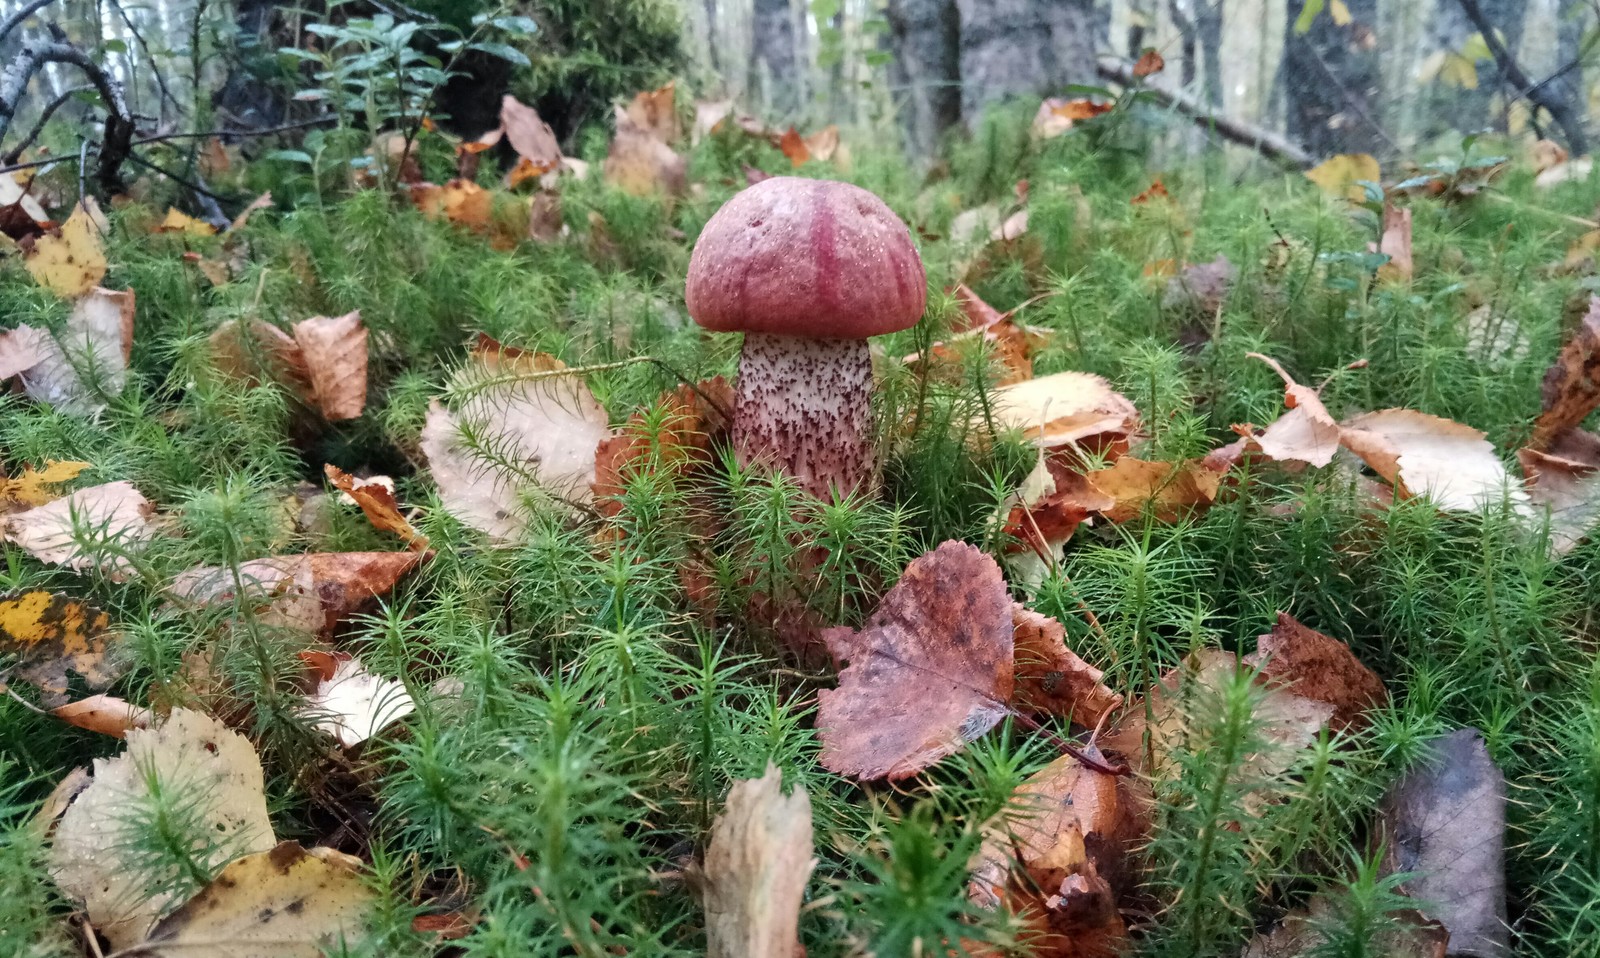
[[312, 592], [1050, 677], [1320, 668], [1447, 461], [1307, 432], [1571, 388], [931, 670]]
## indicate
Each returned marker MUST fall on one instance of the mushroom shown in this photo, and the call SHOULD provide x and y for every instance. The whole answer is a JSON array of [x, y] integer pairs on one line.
[[807, 270]]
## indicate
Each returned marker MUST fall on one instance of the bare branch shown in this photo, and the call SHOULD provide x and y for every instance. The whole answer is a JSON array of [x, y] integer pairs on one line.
[[14, 80], [13, 21], [12, 154], [1559, 109], [1273, 146]]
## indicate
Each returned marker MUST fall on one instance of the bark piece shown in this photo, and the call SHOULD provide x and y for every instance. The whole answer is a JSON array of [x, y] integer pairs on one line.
[[757, 865], [931, 670]]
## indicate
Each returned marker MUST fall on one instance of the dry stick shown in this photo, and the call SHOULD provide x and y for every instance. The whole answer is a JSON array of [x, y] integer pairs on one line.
[[1559, 110], [161, 81], [1083, 757], [114, 147], [1273, 146], [13, 21]]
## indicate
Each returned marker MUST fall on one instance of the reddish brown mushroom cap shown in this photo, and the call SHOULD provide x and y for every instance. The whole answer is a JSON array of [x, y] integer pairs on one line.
[[812, 258]]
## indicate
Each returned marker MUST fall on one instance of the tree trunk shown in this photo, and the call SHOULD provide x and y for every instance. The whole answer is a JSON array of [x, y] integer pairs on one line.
[[925, 40], [777, 54], [1208, 24], [1331, 86], [1568, 88], [1029, 47], [711, 36]]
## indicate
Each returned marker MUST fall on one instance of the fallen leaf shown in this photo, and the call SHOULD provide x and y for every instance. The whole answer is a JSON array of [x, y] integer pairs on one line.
[[1320, 668], [758, 862], [1395, 243], [529, 134], [262, 202], [929, 671], [1042, 515], [1050, 856], [1200, 287], [462, 202], [33, 486], [23, 348], [259, 352], [542, 432], [1568, 490], [1067, 409], [1341, 175], [1056, 116], [71, 261], [545, 221], [94, 856], [88, 361], [656, 112], [1430, 456], [350, 703], [377, 501], [1405, 934], [14, 194], [1157, 190], [113, 518], [1149, 62], [179, 222], [671, 442], [1571, 387], [1050, 678], [333, 352], [643, 165], [708, 117], [1545, 154], [1307, 432], [1444, 825], [1167, 490], [1286, 723], [1575, 170], [105, 714], [286, 902], [44, 634], [311, 592]]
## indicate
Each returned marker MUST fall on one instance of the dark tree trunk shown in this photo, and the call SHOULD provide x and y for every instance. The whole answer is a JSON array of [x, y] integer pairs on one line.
[[777, 53], [925, 39], [711, 36], [1028, 47], [1208, 24], [1568, 88], [1331, 83]]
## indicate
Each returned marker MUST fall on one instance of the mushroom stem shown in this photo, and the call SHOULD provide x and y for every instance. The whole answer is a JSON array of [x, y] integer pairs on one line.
[[804, 408]]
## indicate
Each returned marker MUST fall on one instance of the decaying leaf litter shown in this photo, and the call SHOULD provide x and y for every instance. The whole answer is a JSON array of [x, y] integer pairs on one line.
[[999, 630]]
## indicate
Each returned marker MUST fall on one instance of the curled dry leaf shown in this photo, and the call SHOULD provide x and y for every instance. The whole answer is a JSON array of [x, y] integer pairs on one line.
[[1307, 432], [70, 261], [35, 487], [1568, 489], [1050, 677], [1571, 387], [377, 501], [1011, 343], [177, 221], [534, 429], [286, 902], [105, 714], [1395, 243], [656, 112], [1055, 856], [94, 857], [1068, 409], [333, 352], [1321, 668], [459, 201], [1150, 62], [1425, 455], [643, 165], [1056, 115], [257, 352], [931, 670], [44, 634], [1444, 825], [311, 592], [757, 865], [91, 528], [1049, 506], [708, 117], [529, 135], [77, 370], [1167, 490], [350, 703], [22, 348], [819, 146]]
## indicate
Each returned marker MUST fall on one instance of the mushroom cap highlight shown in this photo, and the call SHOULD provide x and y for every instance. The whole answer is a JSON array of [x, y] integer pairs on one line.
[[814, 258]]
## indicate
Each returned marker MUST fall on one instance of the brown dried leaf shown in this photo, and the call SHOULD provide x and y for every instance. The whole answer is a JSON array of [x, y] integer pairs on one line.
[[656, 112], [22, 348], [930, 671], [1048, 507], [757, 865], [259, 352], [708, 117], [45, 634], [462, 202], [113, 514], [72, 260], [105, 714], [1307, 432], [681, 441], [1320, 668], [312, 592], [1571, 388], [1406, 935], [378, 502], [1168, 490], [643, 165], [1444, 824], [177, 221], [286, 902], [1050, 677], [1150, 62], [88, 361], [529, 134], [1396, 244], [1067, 409], [1569, 489], [333, 351], [94, 857], [1428, 455]]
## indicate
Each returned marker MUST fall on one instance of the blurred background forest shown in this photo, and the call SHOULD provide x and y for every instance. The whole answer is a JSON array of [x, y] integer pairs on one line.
[[1331, 76]]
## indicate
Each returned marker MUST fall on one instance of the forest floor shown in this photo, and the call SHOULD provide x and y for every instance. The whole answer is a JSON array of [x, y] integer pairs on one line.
[[1331, 686]]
